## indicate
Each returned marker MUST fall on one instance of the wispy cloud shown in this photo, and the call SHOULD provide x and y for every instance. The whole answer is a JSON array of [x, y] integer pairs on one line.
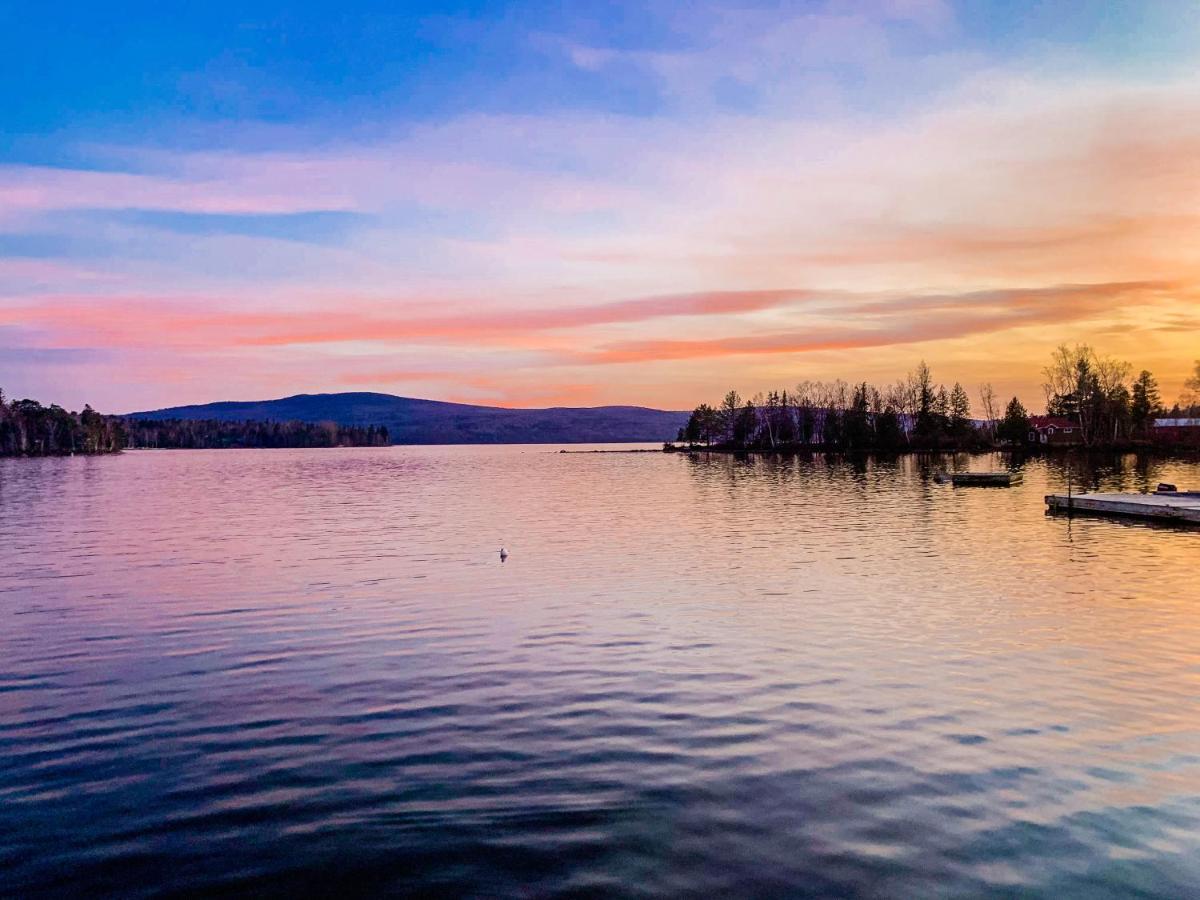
[[916, 319], [837, 319]]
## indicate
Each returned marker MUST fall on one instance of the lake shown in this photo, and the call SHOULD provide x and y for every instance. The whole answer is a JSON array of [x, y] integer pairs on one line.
[[308, 671]]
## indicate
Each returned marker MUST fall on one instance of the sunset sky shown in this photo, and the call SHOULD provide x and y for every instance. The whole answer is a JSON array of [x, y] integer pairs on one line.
[[579, 203]]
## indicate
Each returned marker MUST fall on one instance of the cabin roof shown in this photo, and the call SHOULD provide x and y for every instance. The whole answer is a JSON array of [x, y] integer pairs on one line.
[[1040, 422]]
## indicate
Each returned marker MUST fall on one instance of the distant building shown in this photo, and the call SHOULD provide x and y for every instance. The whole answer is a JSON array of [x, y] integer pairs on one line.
[[1054, 431], [1177, 431]]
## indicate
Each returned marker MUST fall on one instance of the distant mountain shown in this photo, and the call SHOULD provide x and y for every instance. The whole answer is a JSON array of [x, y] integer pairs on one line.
[[411, 421]]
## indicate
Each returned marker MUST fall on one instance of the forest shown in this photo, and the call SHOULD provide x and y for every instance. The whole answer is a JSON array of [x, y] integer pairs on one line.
[[203, 434], [1106, 405], [29, 429]]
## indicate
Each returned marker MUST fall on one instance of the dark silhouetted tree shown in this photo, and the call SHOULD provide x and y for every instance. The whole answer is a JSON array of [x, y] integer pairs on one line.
[[1014, 427], [1145, 402], [960, 427]]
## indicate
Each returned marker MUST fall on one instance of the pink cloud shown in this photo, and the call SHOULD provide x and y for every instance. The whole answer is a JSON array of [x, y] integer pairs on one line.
[[134, 321], [25, 189], [577, 333]]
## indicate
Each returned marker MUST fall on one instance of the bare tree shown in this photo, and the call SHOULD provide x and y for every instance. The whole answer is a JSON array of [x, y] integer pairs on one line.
[[1111, 375], [991, 411], [765, 410], [1069, 366], [903, 397], [1189, 402]]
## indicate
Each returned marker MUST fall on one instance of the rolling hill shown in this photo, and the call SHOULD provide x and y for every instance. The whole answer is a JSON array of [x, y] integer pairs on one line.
[[413, 421]]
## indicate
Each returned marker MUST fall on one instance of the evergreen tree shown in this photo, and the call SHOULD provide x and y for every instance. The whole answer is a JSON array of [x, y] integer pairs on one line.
[[729, 413], [692, 431], [1014, 427], [924, 399], [785, 425], [888, 433], [960, 414], [1146, 402], [745, 425], [703, 425], [856, 424]]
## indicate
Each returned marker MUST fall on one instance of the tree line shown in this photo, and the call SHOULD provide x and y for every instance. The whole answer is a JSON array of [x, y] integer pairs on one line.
[[1105, 400], [1095, 392], [206, 434], [29, 429]]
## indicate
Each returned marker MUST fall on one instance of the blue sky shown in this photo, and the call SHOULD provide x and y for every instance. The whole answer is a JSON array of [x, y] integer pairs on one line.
[[164, 73]]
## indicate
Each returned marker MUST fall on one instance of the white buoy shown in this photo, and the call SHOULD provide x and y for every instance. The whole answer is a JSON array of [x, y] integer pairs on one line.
[[503, 554]]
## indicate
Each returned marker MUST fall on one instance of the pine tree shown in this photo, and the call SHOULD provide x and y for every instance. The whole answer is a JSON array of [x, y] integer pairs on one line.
[[1014, 427], [1145, 402], [729, 414], [960, 413]]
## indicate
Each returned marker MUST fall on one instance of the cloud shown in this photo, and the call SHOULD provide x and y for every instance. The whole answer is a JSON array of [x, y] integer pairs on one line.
[[472, 326], [319, 226], [31, 189], [1005, 202], [837, 320], [53, 356], [773, 57], [1002, 177], [132, 321], [914, 319]]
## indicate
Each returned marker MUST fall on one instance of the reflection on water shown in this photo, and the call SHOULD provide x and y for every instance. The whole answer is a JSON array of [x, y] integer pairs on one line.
[[282, 671]]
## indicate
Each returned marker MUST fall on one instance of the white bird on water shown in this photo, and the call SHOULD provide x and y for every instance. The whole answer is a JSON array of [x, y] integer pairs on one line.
[[503, 554]]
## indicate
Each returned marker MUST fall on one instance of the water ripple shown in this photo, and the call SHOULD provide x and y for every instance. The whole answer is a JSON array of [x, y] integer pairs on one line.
[[308, 672]]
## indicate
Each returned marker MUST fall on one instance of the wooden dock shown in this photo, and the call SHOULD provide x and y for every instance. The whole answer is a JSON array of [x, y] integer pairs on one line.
[[986, 479], [1180, 508]]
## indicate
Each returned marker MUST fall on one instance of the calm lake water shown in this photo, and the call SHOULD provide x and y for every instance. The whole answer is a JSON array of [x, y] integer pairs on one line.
[[309, 671]]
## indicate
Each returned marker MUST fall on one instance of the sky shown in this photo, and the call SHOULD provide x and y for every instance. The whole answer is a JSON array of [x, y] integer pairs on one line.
[[581, 203]]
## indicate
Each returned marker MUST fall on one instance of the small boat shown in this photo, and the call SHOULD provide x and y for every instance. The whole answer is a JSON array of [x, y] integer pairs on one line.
[[986, 479], [1169, 490]]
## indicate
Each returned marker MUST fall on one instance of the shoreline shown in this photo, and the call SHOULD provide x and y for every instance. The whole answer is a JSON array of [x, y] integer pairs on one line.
[[1030, 451], [1034, 451]]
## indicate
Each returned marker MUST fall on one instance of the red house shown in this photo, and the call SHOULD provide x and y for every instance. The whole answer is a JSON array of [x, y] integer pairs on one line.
[[1054, 431], [1184, 432]]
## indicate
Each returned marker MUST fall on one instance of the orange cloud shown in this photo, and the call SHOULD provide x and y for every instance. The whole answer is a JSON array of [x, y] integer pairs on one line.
[[909, 320]]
